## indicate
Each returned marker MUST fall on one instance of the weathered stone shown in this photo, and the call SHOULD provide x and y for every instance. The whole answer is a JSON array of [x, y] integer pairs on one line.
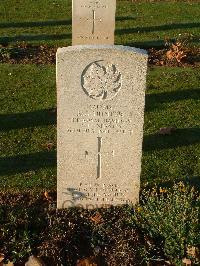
[[101, 92], [93, 21]]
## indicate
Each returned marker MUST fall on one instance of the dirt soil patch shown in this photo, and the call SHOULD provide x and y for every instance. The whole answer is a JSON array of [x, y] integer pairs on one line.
[[175, 55]]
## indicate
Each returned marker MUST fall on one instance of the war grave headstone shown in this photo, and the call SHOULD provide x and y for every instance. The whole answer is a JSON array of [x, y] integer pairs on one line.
[[100, 101], [93, 21], [101, 91]]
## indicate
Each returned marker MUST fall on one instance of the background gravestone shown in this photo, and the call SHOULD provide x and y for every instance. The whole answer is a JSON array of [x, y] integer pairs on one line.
[[101, 92], [93, 21]]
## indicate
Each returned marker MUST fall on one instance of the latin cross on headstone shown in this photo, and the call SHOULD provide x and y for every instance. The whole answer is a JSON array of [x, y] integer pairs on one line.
[[100, 153], [93, 20]]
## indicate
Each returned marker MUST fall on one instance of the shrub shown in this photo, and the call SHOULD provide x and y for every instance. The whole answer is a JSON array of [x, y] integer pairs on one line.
[[172, 216]]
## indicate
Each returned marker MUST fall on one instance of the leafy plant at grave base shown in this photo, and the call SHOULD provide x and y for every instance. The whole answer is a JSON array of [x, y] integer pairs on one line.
[[173, 217]]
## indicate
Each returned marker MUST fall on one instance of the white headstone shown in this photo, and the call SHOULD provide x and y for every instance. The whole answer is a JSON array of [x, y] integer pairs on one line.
[[101, 94], [93, 21]]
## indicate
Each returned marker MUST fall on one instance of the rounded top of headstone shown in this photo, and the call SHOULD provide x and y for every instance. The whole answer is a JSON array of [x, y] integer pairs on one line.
[[103, 47]]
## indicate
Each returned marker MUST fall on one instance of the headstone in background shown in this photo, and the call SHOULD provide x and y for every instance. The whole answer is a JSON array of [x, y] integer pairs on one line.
[[93, 21], [101, 94]]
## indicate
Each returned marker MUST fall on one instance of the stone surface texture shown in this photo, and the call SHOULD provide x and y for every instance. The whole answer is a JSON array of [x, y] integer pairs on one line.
[[93, 22], [100, 101]]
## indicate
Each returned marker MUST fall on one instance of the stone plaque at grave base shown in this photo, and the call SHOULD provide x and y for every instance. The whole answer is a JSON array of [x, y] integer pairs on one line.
[[93, 21], [101, 94]]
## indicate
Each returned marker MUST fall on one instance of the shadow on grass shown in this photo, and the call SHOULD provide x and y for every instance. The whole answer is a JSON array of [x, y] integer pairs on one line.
[[40, 37], [48, 116], [181, 137], [47, 37], [32, 24], [25, 163], [158, 28], [31, 119], [157, 44], [154, 100]]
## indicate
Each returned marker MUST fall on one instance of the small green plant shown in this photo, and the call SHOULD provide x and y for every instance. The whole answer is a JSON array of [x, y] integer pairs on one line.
[[173, 217]]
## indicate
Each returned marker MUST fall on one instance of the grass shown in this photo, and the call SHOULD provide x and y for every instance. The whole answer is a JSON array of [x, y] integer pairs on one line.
[[172, 100], [28, 126], [140, 24]]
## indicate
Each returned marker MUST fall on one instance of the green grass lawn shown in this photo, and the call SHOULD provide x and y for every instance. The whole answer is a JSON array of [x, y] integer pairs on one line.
[[28, 126], [137, 24]]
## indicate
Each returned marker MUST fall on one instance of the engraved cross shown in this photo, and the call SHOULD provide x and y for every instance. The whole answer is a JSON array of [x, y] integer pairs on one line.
[[99, 156], [93, 20], [94, 5]]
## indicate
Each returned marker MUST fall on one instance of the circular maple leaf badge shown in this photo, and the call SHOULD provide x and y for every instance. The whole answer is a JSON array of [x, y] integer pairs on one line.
[[101, 80]]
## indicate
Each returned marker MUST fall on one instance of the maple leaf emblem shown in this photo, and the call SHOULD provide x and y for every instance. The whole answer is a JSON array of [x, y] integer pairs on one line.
[[101, 80]]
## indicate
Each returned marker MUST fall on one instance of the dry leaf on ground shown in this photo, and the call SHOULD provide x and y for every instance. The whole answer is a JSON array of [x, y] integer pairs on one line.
[[166, 130], [170, 55], [97, 218], [176, 52], [87, 262], [187, 262], [192, 251], [1, 257], [47, 196], [48, 146]]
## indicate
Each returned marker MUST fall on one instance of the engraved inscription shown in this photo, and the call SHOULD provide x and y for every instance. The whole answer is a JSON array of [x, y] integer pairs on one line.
[[81, 37], [101, 80], [94, 5], [97, 195], [101, 119]]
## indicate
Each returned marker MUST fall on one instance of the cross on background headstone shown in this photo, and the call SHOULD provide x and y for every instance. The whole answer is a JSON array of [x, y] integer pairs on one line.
[[93, 22], [92, 19]]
